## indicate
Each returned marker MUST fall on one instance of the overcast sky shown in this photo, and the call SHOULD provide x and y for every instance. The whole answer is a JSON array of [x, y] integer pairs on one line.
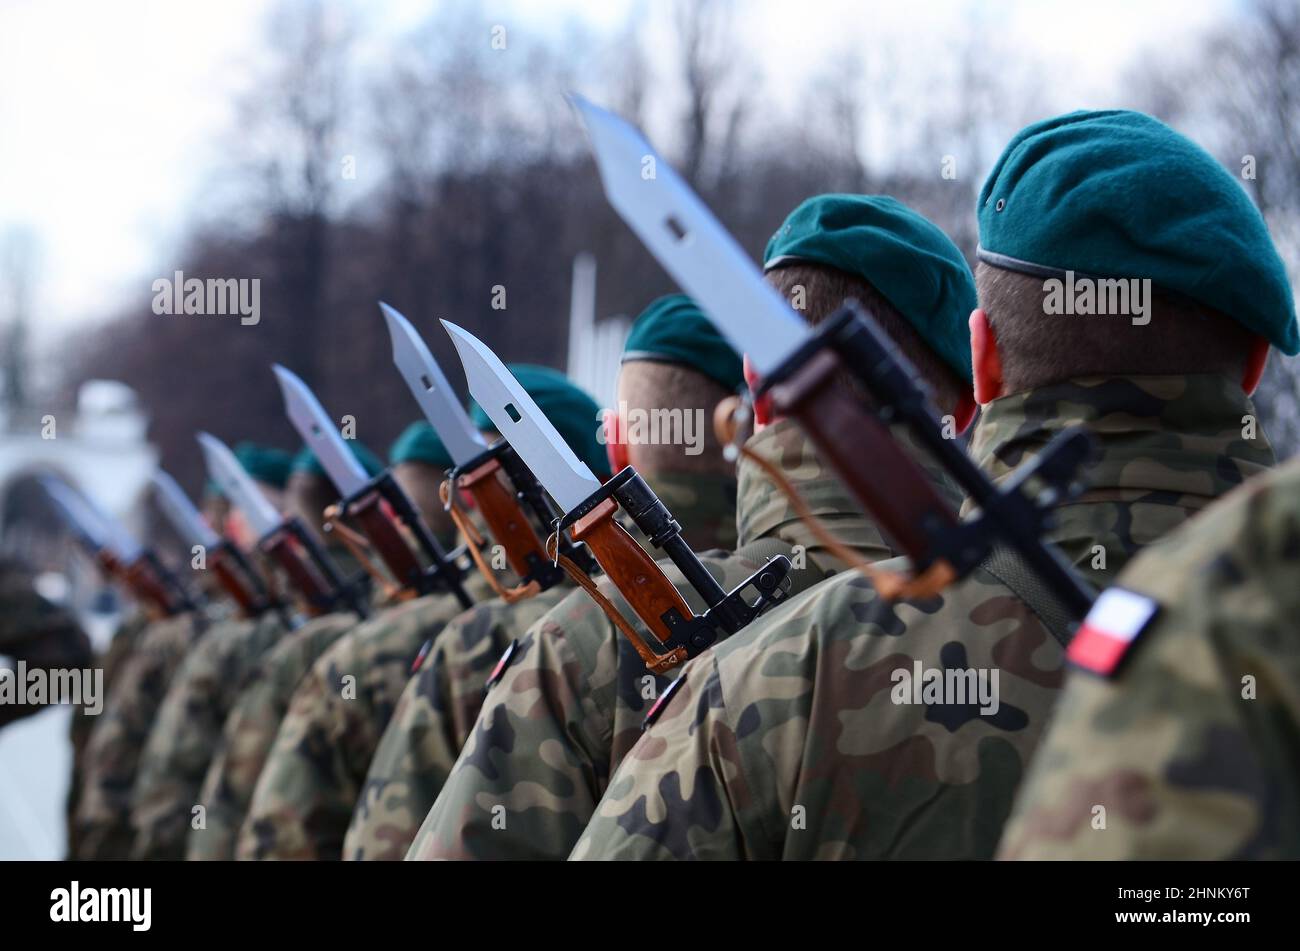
[[112, 114]]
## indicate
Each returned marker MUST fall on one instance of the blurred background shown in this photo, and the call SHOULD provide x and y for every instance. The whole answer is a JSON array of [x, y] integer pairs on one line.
[[342, 151]]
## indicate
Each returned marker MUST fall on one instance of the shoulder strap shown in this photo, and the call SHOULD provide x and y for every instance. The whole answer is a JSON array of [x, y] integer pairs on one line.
[[1007, 566]]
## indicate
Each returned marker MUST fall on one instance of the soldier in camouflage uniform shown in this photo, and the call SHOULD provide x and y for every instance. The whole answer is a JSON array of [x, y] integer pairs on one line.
[[1179, 742], [440, 703], [187, 729], [32, 630], [305, 794], [108, 768], [419, 463], [576, 688], [808, 738]]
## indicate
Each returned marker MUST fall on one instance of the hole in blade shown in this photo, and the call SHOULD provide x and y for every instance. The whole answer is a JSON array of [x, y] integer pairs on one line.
[[427, 383], [513, 413], [676, 228]]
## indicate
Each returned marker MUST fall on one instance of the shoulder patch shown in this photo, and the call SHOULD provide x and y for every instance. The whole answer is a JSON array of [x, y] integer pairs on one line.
[[1110, 630], [658, 706], [502, 666], [419, 658]]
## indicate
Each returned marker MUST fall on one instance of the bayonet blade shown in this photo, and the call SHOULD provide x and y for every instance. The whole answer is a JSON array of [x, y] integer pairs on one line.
[[527, 429], [431, 390], [690, 243], [93, 524], [180, 511], [238, 486], [317, 430]]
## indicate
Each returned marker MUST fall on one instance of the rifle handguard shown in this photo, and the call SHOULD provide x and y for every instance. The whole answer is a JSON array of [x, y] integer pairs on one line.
[[680, 632], [319, 585], [474, 544]]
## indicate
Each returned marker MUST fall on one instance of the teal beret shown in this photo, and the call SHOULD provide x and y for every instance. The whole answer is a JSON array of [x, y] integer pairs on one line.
[[902, 254], [1118, 194], [419, 442], [264, 463], [573, 413], [673, 329], [306, 461]]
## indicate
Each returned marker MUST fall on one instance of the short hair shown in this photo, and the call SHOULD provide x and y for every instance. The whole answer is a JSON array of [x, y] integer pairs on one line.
[[421, 481], [824, 289], [1038, 348], [674, 396]]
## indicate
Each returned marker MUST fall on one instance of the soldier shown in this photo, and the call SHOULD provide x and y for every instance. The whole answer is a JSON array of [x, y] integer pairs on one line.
[[184, 737], [112, 755], [306, 792], [419, 464], [673, 358], [1175, 735], [41, 635], [575, 687], [846, 726]]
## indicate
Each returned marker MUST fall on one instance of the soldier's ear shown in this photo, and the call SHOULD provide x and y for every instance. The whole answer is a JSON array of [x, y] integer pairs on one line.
[[762, 407], [986, 361], [615, 447], [1256, 360]]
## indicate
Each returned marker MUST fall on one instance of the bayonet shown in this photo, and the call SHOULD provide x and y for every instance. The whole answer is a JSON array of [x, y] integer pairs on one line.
[[589, 509], [286, 541], [229, 564], [363, 499], [477, 467], [113, 548], [799, 366]]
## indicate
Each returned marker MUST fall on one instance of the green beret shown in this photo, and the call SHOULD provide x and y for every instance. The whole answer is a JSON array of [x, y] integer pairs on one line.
[[306, 461], [1118, 194], [264, 463], [419, 442], [673, 329], [572, 412], [903, 255]]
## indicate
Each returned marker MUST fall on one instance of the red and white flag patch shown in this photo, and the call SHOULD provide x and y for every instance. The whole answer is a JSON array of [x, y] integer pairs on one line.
[[1117, 617]]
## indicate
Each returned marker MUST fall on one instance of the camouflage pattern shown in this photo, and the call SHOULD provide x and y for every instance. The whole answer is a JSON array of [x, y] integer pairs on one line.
[[1189, 751], [440, 704], [250, 730], [111, 759], [303, 798], [433, 719], [571, 704], [42, 635], [792, 742], [186, 730]]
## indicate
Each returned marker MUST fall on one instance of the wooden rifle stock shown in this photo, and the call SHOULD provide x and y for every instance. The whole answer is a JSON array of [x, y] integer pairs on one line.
[[250, 602], [881, 475], [506, 522], [382, 531], [317, 594], [641, 581]]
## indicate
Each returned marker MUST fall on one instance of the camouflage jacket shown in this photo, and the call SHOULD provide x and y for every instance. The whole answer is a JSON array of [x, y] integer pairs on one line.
[[250, 729], [845, 726], [304, 795], [42, 635], [185, 732], [572, 701], [111, 757], [1189, 751], [441, 702]]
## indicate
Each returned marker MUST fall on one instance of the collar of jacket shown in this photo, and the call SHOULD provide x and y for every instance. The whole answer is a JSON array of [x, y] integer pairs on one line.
[[1163, 440], [762, 510], [704, 504]]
